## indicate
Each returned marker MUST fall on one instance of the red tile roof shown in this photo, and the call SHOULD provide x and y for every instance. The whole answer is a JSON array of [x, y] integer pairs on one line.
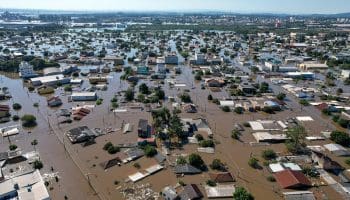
[[289, 179], [221, 177]]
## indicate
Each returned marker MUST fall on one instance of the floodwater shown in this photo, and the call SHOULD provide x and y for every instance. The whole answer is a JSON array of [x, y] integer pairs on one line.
[[79, 167]]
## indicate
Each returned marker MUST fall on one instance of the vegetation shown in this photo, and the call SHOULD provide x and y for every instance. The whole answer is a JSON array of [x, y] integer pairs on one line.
[[12, 147], [281, 96], [37, 164], [242, 194], [211, 183], [129, 94], [253, 162], [269, 154], [181, 160], [16, 106], [271, 178], [226, 109], [28, 120], [296, 139], [110, 148], [207, 143], [304, 102], [196, 161], [341, 138], [235, 134], [186, 98], [150, 151], [217, 165]]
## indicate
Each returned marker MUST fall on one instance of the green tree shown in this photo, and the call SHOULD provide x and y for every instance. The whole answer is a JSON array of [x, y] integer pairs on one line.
[[196, 161], [34, 143], [37, 164], [269, 154], [129, 94], [242, 194], [217, 165], [144, 88], [16, 106], [296, 139], [341, 138], [28, 120], [253, 162], [181, 160], [150, 151]]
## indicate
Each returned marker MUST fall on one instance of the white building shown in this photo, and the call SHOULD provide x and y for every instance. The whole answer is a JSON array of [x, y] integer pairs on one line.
[[26, 70], [200, 59], [345, 74], [84, 96], [50, 80]]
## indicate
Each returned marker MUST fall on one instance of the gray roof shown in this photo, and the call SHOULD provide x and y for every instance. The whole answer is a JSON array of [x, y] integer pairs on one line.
[[186, 169], [191, 191]]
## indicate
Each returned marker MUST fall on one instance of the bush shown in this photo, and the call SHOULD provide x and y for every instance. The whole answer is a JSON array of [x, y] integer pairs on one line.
[[181, 160], [15, 117], [217, 165], [238, 110], [16, 106], [150, 151], [347, 161], [343, 123], [28, 120], [137, 165], [196, 161], [186, 98], [304, 102], [216, 101], [269, 154], [253, 162], [246, 124], [235, 134], [99, 102], [281, 96], [113, 149], [341, 138], [271, 178], [107, 145], [242, 194], [210, 97], [38, 164], [12, 147], [211, 183], [207, 143], [226, 109], [68, 88], [199, 137], [311, 172]]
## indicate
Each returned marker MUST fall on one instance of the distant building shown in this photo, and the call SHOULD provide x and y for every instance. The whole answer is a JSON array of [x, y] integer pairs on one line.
[[26, 70], [345, 74], [51, 71], [84, 96], [171, 59], [143, 128], [142, 70], [50, 80], [200, 59]]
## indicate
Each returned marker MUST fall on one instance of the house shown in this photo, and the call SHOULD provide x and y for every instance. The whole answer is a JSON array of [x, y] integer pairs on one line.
[[25, 186], [50, 80], [4, 111], [301, 195], [51, 71], [171, 58], [337, 149], [54, 101], [214, 82], [118, 60], [200, 59], [220, 191], [289, 179], [247, 89], [142, 70], [143, 130], [68, 69], [222, 177], [84, 96], [80, 134], [309, 66], [345, 74], [169, 193], [191, 192], [26, 70], [189, 108], [186, 169], [326, 162]]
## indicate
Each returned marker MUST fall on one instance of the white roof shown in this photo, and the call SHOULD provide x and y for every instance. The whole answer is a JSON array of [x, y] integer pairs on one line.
[[304, 118], [276, 167], [220, 191], [292, 166], [227, 103], [256, 126], [153, 169], [136, 177], [85, 94], [45, 79], [265, 136], [10, 132], [334, 147], [206, 150]]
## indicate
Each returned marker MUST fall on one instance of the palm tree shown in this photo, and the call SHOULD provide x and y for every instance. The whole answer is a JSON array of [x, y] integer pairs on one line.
[[34, 143]]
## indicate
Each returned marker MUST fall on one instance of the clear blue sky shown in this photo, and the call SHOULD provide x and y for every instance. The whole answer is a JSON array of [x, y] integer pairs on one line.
[[246, 6]]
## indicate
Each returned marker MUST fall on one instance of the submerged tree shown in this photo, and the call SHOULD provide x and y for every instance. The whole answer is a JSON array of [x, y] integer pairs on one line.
[[296, 139]]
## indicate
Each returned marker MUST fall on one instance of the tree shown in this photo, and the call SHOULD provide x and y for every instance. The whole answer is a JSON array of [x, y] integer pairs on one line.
[[238, 110], [281, 96], [210, 97], [175, 127], [150, 151], [16, 106], [196, 161], [217, 165], [269, 154], [235, 134], [339, 91], [34, 143], [253, 162], [37, 164], [68, 88], [226, 109], [296, 139], [207, 143], [186, 98], [304, 102], [242, 194], [28, 120], [144, 88], [129, 94], [341, 138], [12, 147], [181, 160]]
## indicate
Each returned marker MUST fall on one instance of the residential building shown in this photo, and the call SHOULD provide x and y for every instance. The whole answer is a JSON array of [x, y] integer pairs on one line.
[[84, 96], [26, 70], [171, 59], [289, 179], [143, 128]]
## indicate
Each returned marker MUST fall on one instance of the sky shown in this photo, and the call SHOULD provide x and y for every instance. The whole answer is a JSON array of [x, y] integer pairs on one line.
[[243, 6]]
